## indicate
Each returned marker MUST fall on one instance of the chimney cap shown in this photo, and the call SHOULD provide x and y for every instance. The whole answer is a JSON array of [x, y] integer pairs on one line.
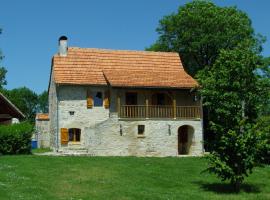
[[63, 38]]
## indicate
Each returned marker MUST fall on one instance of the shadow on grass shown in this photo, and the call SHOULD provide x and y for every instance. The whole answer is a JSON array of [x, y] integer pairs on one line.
[[226, 188]]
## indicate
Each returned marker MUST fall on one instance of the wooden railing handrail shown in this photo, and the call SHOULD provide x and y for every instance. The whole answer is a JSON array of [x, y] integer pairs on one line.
[[159, 111]]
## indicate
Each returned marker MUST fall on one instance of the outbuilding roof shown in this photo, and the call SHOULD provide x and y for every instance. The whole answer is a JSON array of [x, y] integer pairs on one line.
[[8, 109], [42, 116], [121, 68]]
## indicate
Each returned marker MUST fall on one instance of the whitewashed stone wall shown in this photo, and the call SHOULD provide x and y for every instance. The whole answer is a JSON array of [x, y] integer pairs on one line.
[[100, 127], [160, 138], [73, 99], [53, 106], [43, 133]]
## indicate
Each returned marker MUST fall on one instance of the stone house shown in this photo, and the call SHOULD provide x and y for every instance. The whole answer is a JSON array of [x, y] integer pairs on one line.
[[9, 113], [122, 103]]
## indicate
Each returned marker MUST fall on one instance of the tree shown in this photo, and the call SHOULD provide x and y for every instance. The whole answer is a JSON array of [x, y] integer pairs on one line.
[[3, 81], [264, 73], [231, 89], [3, 71], [262, 129], [43, 106], [25, 99], [200, 29], [235, 156]]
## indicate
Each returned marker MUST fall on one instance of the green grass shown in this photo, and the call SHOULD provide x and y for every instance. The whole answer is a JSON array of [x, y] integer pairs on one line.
[[44, 177], [41, 150]]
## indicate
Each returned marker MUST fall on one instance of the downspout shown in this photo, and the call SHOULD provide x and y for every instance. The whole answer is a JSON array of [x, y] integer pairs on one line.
[[201, 102]]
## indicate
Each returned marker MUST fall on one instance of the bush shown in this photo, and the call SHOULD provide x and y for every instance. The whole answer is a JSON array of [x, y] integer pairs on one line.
[[16, 138], [262, 129]]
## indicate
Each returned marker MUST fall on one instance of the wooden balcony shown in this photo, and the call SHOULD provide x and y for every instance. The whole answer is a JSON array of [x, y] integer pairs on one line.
[[159, 112]]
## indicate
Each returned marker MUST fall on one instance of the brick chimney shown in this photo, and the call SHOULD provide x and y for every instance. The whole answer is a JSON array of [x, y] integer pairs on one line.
[[63, 46]]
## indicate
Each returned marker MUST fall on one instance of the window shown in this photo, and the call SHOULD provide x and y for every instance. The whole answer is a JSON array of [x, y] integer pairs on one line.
[[74, 135], [131, 98], [98, 100], [141, 129]]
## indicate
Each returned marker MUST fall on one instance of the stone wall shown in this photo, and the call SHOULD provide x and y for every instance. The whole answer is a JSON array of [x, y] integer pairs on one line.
[[73, 111], [120, 138], [102, 133], [53, 114], [43, 133]]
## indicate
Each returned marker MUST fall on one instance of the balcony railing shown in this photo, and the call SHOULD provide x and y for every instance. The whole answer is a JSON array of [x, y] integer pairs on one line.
[[155, 111]]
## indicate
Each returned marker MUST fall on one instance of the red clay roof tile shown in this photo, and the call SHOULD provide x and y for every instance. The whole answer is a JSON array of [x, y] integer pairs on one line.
[[121, 68]]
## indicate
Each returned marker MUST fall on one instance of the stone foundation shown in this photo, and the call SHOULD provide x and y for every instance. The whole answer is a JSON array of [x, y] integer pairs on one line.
[[115, 137]]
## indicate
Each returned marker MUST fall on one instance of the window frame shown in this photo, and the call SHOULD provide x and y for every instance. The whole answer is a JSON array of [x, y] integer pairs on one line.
[[141, 130]]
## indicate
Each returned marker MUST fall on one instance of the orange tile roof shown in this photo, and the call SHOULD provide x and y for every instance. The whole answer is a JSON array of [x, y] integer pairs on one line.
[[86, 66], [42, 116]]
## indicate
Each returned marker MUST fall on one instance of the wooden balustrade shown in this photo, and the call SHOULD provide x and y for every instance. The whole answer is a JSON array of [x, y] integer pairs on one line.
[[188, 112], [156, 111]]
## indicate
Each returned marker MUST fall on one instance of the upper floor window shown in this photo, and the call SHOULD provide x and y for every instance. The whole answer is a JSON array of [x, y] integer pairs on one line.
[[98, 99]]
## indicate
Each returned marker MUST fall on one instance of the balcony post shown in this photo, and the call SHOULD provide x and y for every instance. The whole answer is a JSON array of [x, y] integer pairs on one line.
[[174, 107], [118, 105], [147, 107]]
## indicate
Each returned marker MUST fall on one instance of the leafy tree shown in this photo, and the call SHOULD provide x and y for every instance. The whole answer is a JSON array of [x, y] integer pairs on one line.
[[200, 29], [3, 81], [43, 106], [3, 71], [262, 129], [264, 73], [235, 156], [231, 89], [25, 99]]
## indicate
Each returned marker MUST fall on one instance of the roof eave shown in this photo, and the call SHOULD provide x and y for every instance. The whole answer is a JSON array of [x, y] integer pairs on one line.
[[12, 105]]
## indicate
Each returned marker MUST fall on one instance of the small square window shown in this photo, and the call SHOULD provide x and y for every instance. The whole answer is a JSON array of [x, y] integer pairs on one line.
[[141, 129], [71, 112]]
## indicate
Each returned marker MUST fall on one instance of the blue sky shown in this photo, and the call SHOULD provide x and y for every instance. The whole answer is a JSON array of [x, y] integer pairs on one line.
[[31, 29]]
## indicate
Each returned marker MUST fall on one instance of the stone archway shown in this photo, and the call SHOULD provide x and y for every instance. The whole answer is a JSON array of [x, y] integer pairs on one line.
[[185, 137]]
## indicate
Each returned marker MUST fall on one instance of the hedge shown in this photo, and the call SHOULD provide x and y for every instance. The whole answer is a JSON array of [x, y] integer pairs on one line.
[[16, 138]]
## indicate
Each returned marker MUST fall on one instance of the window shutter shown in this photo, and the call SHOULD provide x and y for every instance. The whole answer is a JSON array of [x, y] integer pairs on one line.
[[89, 99], [64, 135], [89, 102], [106, 100]]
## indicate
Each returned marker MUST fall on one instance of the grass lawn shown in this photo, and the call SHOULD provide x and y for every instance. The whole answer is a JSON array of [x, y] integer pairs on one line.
[[41, 150], [44, 177]]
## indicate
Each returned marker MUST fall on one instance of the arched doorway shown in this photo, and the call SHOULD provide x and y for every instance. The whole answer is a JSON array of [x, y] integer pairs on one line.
[[185, 137]]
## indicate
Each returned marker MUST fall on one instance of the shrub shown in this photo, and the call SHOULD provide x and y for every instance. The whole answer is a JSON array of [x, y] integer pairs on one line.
[[16, 138], [262, 129]]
